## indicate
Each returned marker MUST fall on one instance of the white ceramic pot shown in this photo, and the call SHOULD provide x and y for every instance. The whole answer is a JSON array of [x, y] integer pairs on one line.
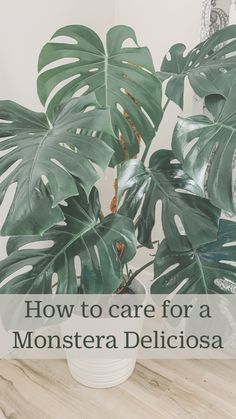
[[105, 373]]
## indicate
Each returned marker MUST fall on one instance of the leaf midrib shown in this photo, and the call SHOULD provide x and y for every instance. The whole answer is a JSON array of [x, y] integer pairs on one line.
[[74, 239], [63, 250], [33, 166], [199, 264]]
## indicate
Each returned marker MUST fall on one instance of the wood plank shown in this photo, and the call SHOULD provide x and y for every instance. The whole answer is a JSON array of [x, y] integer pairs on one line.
[[159, 389]]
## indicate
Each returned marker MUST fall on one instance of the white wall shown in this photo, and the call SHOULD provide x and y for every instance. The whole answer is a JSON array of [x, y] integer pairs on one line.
[[26, 25]]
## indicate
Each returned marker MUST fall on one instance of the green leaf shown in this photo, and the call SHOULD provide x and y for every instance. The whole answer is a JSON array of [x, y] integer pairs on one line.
[[38, 149], [206, 270], [120, 75], [84, 236], [201, 65], [166, 181], [207, 147]]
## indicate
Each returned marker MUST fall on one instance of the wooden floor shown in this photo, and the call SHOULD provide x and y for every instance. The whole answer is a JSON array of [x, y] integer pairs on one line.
[[157, 390]]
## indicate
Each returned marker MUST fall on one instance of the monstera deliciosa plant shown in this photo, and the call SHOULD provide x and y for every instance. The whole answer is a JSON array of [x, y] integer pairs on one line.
[[102, 103]]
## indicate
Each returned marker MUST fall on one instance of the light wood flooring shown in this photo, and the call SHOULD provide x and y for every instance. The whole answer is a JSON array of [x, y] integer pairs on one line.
[[189, 389]]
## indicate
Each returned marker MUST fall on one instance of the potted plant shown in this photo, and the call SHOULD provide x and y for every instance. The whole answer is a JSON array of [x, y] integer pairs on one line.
[[100, 103]]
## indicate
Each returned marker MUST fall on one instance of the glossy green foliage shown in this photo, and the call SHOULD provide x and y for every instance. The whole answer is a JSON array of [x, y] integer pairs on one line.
[[82, 235], [165, 180], [201, 65], [35, 149], [206, 270], [207, 145], [122, 78]]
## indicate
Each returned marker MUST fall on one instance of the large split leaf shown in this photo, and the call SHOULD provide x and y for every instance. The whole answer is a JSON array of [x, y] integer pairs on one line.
[[121, 77], [166, 181], [84, 236], [208, 269], [201, 65], [207, 147], [40, 151]]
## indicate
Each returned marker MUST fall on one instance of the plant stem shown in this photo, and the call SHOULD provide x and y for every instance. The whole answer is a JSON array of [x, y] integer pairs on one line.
[[166, 104], [118, 167], [127, 270], [145, 153], [101, 214], [136, 273], [140, 245]]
